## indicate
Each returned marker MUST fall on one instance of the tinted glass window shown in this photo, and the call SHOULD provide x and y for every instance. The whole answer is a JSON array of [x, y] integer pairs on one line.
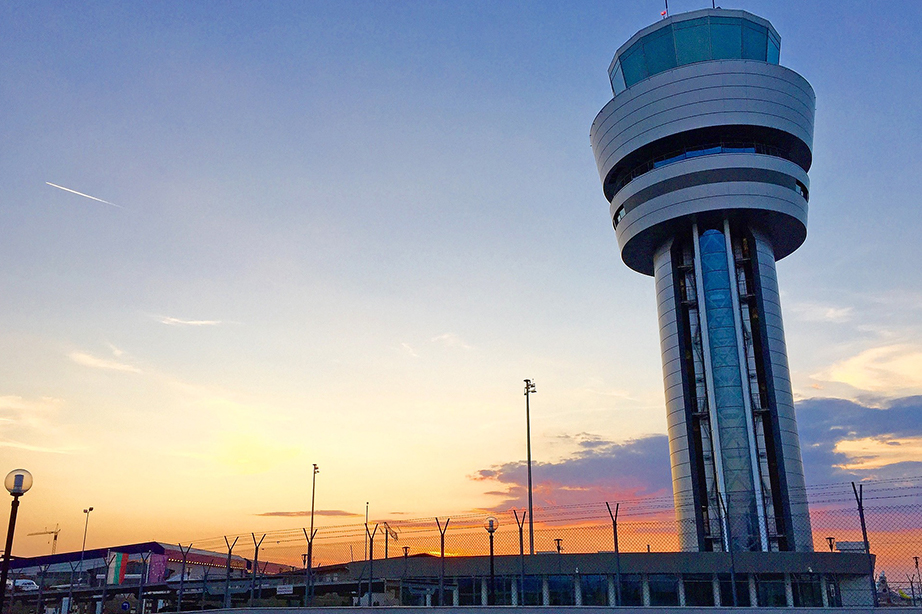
[[631, 589], [726, 590], [594, 590], [692, 41], [808, 592], [774, 49], [617, 79], [659, 48], [754, 41], [771, 590], [633, 65], [699, 590], [664, 589], [726, 38]]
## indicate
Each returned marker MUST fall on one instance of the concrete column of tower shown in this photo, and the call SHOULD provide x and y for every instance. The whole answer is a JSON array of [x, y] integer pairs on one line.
[[703, 154]]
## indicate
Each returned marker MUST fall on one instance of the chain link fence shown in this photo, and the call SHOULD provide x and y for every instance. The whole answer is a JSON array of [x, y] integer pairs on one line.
[[892, 510]]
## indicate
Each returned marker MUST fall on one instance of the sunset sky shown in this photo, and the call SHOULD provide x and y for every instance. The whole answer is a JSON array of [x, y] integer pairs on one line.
[[343, 233]]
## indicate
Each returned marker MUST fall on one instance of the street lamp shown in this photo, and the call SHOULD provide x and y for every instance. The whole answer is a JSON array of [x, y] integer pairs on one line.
[[18, 482], [491, 524], [529, 388]]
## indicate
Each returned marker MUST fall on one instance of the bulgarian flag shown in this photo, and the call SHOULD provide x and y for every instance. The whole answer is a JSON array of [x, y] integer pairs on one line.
[[118, 563]]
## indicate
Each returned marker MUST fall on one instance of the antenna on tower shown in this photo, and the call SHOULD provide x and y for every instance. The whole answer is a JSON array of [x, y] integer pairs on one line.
[[665, 13]]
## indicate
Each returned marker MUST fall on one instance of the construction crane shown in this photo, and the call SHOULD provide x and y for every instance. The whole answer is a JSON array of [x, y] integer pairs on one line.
[[54, 540]]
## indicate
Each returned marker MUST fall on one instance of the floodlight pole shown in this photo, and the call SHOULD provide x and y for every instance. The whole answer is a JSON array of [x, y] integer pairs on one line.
[[529, 388]]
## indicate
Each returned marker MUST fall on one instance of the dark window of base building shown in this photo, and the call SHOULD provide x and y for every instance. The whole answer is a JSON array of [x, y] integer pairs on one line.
[[808, 591], [699, 589], [664, 589], [595, 590], [631, 589], [414, 595], [532, 591], [771, 591], [561, 590], [468, 591], [726, 590], [502, 590]]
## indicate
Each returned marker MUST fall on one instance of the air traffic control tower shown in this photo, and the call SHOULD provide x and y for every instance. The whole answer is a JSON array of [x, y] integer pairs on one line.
[[703, 154]]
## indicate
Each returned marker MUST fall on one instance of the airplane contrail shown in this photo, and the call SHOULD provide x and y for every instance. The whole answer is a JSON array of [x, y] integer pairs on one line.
[[60, 187]]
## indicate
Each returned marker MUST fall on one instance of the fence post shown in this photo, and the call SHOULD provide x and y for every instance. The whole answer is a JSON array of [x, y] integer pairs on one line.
[[614, 529], [230, 548], [182, 576], [442, 568], [309, 580], [105, 584], [256, 546], [201, 600], [521, 552], [859, 497], [144, 571], [41, 587], [371, 563]]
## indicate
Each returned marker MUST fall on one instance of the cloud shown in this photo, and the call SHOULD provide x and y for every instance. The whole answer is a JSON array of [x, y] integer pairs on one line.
[[600, 470], [889, 370], [33, 425], [169, 321], [409, 350], [815, 312], [87, 360], [300, 514], [841, 440], [450, 340], [846, 440]]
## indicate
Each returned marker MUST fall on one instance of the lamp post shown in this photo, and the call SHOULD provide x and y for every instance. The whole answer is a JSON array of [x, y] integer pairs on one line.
[[491, 524], [17, 482], [529, 388]]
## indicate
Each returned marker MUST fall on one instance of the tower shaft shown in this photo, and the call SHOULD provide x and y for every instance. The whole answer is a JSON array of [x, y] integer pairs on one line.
[[703, 154]]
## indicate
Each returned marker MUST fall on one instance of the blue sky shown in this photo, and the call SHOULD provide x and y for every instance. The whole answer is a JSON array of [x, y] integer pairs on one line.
[[346, 231]]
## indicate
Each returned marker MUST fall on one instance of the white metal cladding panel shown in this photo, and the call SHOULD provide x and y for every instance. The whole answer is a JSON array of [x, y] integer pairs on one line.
[[748, 83], [666, 318], [784, 402], [669, 332], [672, 376], [702, 95], [702, 164], [675, 399], [711, 197], [718, 73], [787, 208], [661, 295]]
